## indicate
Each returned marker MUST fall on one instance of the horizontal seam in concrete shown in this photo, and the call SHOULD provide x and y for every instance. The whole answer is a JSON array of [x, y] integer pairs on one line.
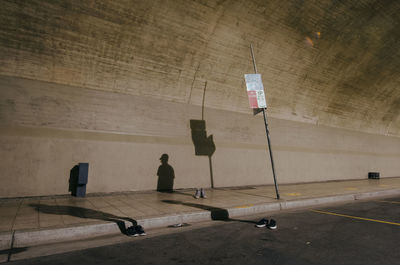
[[61, 133], [42, 236], [178, 99], [332, 151], [64, 133]]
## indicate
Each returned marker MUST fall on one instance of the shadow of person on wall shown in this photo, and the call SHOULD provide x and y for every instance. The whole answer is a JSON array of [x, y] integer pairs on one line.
[[165, 175], [217, 214], [84, 213]]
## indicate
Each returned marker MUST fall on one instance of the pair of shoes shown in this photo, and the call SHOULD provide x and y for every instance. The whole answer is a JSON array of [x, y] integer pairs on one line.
[[135, 231], [202, 193], [271, 224]]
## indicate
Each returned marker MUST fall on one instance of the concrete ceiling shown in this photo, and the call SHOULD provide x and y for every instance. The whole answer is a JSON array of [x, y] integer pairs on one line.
[[334, 63]]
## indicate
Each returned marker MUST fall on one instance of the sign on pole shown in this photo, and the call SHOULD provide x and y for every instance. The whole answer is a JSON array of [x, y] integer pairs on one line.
[[255, 91]]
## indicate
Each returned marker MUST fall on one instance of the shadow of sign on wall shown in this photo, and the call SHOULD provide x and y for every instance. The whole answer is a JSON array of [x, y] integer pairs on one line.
[[203, 145]]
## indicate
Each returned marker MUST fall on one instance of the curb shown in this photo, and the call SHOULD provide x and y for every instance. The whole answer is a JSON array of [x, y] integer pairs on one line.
[[27, 238], [5, 240]]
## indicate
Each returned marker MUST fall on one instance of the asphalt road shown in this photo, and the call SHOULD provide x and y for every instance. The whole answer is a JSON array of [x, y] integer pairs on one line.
[[366, 232]]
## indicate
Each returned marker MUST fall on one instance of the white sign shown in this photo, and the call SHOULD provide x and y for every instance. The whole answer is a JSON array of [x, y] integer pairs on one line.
[[255, 91]]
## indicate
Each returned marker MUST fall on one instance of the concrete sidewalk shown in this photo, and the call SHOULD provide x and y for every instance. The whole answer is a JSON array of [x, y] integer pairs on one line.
[[27, 222]]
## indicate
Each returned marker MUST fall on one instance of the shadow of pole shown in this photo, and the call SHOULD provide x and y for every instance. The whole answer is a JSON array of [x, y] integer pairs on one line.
[[84, 213], [217, 214], [203, 145], [211, 172]]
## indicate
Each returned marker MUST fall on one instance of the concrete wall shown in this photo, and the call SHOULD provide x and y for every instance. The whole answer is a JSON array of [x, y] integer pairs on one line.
[[116, 83], [346, 77], [48, 128]]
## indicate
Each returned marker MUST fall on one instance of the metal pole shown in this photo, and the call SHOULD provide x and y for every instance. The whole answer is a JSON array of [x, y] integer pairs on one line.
[[270, 154], [266, 130], [254, 59]]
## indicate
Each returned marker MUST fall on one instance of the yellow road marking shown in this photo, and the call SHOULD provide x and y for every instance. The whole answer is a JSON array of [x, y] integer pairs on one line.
[[355, 217], [390, 202], [293, 194], [245, 206]]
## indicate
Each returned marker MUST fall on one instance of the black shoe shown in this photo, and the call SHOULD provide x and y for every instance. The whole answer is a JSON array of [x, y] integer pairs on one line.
[[139, 230], [131, 231], [272, 224], [262, 223]]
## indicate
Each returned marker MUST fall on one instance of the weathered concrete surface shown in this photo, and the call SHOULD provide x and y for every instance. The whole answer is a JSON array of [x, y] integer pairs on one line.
[[115, 84], [348, 77]]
